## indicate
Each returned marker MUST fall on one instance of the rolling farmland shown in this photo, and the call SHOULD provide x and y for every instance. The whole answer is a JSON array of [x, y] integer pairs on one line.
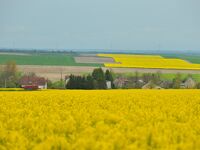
[[43, 59], [149, 61], [100, 60], [51, 65], [100, 120]]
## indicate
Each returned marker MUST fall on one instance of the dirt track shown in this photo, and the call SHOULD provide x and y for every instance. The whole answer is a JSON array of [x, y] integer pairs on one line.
[[55, 72]]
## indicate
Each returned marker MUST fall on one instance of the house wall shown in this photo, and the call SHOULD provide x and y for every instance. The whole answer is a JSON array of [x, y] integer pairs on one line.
[[108, 83], [42, 86]]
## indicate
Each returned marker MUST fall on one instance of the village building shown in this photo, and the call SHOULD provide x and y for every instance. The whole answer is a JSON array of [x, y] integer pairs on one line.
[[188, 84], [33, 82], [120, 82], [66, 79], [140, 81], [166, 84], [108, 84]]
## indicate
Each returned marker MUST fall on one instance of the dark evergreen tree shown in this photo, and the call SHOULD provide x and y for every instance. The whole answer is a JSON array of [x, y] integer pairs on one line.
[[71, 83], [89, 82], [98, 75], [80, 82], [109, 77], [95, 84], [83, 82]]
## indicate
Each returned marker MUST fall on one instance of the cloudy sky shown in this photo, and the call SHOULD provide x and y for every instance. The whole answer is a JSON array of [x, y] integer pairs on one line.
[[100, 24]]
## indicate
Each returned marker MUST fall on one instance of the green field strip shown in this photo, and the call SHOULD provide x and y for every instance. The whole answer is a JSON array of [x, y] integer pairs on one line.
[[44, 59]]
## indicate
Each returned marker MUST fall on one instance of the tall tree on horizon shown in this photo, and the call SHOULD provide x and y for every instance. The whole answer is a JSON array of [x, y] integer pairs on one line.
[[9, 75], [99, 77], [109, 77]]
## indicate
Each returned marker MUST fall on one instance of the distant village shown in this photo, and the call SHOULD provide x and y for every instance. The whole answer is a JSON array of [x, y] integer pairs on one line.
[[98, 79]]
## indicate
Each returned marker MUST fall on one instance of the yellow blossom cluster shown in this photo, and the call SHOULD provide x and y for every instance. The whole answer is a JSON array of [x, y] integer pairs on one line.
[[100, 120]]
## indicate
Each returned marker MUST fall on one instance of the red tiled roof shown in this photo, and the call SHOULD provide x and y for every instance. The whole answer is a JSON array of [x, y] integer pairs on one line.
[[32, 80]]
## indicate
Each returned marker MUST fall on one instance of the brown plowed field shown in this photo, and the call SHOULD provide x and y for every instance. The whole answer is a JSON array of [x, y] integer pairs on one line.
[[54, 72], [92, 59]]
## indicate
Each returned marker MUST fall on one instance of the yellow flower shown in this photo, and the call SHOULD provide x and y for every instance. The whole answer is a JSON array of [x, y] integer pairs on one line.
[[100, 119]]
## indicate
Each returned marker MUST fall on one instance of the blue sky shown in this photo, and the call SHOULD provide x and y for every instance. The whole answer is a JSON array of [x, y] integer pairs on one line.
[[100, 24]]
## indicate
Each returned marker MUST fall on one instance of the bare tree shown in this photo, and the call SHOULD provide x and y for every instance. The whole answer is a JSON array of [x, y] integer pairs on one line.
[[9, 74], [10, 69]]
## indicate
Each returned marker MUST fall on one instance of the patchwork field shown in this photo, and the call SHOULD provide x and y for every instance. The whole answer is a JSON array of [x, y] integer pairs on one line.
[[148, 61], [43, 59], [52, 65], [100, 120], [170, 61]]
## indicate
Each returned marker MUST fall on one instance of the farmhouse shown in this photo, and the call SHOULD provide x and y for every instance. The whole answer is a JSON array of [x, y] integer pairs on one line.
[[188, 84], [33, 82], [120, 82]]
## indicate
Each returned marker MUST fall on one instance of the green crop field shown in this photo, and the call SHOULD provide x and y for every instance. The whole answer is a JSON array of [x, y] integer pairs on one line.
[[44, 59], [193, 58], [170, 76], [164, 76]]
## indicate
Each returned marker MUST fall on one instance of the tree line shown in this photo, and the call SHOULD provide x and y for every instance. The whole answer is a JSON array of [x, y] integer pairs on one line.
[[97, 80]]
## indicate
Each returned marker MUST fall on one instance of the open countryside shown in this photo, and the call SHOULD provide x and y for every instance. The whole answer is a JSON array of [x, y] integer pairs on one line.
[[99, 75], [52, 64], [148, 61], [54, 59], [160, 61]]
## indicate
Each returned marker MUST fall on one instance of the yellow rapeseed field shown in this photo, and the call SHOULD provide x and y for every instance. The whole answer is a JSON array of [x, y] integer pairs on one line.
[[148, 61], [100, 120]]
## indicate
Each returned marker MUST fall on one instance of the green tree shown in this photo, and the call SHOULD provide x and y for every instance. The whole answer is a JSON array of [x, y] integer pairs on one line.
[[90, 82], [1, 77], [49, 84], [79, 82], [10, 76], [146, 77], [58, 85], [136, 80], [10, 69], [71, 83], [99, 76], [156, 78], [109, 77], [82, 82], [198, 85], [177, 81]]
